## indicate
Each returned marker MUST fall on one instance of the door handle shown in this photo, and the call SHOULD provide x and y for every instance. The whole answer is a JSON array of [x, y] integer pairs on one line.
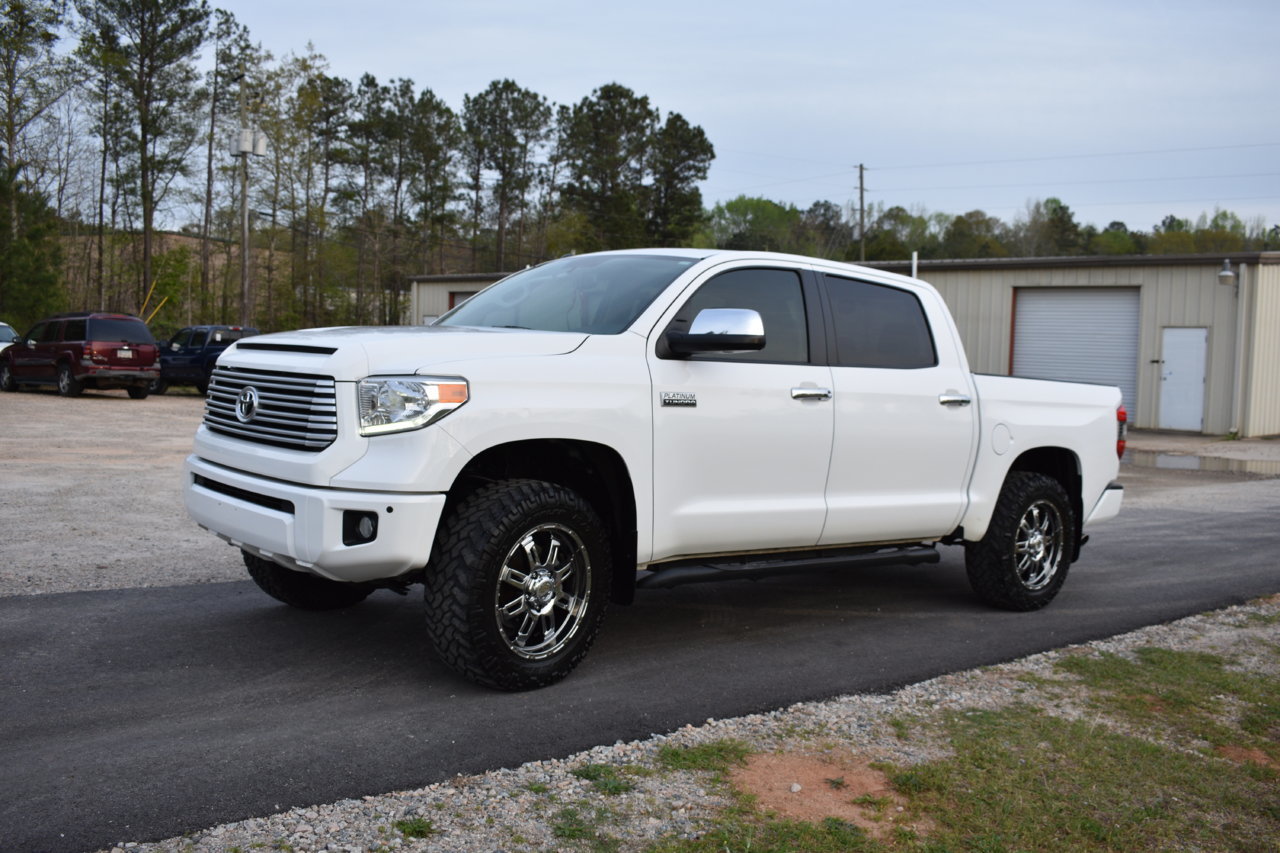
[[810, 393], [954, 400]]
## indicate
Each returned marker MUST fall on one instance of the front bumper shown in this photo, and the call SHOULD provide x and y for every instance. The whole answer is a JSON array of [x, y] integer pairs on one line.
[[301, 526]]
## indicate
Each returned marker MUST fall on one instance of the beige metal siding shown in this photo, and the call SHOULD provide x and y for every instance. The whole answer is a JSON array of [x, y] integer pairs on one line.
[[1262, 412], [1171, 295], [431, 298], [982, 303]]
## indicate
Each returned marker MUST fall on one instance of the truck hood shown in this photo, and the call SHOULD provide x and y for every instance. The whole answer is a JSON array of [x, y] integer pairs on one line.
[[350, 353]]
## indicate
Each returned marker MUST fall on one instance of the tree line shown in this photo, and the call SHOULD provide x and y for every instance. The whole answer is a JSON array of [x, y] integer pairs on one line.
[[1046, 228], [118, 189]]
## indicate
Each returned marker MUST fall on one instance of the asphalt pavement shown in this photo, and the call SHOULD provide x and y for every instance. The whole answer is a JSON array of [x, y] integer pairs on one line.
[[146, 713]]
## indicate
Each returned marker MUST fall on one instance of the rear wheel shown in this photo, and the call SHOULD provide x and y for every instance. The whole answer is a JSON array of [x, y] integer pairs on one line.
[[518, 586], [1022, 562], [159, 386], [68, 385], [138, 392], [301, 590]]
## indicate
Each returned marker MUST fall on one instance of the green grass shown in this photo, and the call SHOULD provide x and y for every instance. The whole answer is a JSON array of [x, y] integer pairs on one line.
[[1020, 779], [741, 830], [1187, 694], [415, 827], [1024, 780], [717, 756], [604, 778], [580, 823]]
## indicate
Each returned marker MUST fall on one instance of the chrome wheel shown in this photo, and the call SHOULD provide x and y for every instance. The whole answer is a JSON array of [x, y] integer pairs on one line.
[[1023, 559], [518, 584], [544, 587], [1038, 545]]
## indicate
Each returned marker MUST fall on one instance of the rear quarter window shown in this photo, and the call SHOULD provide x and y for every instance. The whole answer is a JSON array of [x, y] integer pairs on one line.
[[74, 330]]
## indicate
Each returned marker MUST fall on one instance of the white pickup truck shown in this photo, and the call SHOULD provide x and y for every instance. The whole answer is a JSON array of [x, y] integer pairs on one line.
[[640, 418]]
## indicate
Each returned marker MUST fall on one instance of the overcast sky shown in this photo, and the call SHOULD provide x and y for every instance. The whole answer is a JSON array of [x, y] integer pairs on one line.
[[1125, 110]]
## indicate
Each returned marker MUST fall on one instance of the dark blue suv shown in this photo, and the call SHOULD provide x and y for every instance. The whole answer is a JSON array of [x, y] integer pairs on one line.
[[188, 357]]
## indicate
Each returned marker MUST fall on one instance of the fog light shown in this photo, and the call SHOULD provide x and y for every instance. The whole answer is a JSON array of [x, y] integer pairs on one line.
[[359, 527]]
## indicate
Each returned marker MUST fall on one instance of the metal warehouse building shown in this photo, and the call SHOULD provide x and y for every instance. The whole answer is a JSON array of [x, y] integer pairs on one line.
[[1193, 341]]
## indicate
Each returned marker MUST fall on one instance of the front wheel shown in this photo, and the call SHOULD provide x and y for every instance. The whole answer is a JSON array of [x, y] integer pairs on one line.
[[7, 382], [518, 586], [1022, 562], [301, 590]]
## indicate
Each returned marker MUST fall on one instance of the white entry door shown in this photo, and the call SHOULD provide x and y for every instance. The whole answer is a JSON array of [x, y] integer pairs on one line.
[[1182, 372]]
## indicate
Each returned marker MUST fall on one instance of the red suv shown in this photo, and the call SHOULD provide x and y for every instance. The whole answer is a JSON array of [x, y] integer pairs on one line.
[[83, 350]]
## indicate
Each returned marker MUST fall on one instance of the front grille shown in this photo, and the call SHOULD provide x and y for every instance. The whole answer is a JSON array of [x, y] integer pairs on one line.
[[294, 410]]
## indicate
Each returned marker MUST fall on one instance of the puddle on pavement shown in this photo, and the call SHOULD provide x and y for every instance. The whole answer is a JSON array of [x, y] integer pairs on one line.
[[1183, 462]]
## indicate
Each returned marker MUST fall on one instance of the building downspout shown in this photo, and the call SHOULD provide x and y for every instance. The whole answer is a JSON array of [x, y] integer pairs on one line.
[[1237, 392]]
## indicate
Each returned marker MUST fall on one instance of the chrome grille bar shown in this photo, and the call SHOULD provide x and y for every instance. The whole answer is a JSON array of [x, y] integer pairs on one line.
[[294, 410]]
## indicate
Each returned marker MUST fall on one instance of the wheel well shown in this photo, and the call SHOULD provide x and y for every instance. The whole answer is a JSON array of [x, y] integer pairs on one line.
[[594, 471], [1064, 466]]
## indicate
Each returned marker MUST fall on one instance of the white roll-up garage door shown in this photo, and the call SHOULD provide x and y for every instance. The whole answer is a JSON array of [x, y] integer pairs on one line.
[[1080, 334]]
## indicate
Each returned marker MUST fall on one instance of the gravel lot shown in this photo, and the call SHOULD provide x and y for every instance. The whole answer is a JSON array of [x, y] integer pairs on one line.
[[91, 494], [90, 498]]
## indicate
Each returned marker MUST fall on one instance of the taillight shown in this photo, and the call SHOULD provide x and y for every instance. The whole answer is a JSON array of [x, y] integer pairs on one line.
[[1122, 430]]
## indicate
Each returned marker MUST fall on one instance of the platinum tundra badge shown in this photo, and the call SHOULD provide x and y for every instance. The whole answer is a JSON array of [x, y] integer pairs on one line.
[[679, 398]]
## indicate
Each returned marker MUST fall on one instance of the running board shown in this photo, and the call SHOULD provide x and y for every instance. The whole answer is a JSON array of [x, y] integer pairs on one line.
[[676, 574]]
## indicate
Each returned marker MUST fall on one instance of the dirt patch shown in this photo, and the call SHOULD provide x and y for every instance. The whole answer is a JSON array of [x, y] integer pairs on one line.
[[1243, 755], [812, 788]]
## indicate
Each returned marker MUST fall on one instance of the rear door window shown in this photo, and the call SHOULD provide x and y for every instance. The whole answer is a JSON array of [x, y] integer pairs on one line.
[[879, 326]]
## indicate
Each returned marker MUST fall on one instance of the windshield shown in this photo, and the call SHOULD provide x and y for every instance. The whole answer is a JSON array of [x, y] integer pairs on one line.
[[7, 334], [591, 294]]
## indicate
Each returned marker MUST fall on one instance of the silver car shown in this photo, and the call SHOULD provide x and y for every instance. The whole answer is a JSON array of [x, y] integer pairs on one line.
[[7, 335]]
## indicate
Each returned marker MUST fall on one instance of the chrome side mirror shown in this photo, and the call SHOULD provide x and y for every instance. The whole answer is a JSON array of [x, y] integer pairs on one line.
[[720, 330]]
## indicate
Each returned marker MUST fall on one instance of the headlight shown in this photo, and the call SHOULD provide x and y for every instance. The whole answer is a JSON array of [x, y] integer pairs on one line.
[[401, 403]]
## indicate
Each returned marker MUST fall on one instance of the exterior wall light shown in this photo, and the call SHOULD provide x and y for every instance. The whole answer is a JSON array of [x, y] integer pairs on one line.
[[1226, 276]]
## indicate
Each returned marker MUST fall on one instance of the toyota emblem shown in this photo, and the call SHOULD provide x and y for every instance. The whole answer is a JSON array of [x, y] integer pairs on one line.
[[247, 404]]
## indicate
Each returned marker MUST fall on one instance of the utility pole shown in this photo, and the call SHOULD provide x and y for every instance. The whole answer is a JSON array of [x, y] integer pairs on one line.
[[862, 215], [248, 142]]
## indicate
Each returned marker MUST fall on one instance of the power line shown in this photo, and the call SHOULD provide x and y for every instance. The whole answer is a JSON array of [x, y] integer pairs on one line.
[[1046, 158], [1080, 156], [1161, 179]]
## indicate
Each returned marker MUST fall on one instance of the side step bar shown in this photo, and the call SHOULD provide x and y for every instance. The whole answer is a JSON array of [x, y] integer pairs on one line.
[[700, 571]]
